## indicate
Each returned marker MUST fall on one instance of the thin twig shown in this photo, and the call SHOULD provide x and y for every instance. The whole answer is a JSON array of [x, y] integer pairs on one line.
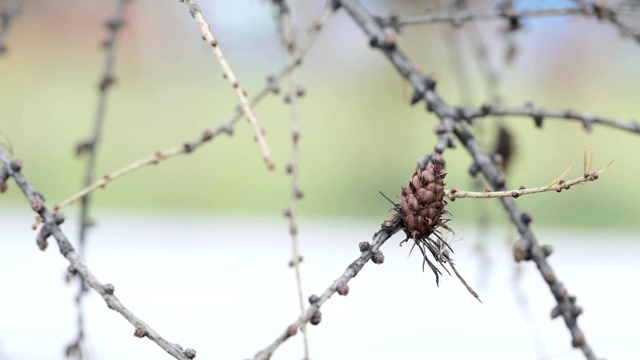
[[425, 90], [459, 17], [113, 26], [557, 186], [227, 127], [7, 15], [538, 114], [608, 13], [369, 251], [228, 74], [294, 166], [51, 225]]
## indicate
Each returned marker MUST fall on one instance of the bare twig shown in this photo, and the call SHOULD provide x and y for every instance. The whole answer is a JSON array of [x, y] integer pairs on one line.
[[113, 25], [294, 166], [51, 225], [610, 15], [227, 127], [557, 185], [602, 12], [7, 15], [312, 313], [458, 17], [425, 90], [538, 114], [228, 74]]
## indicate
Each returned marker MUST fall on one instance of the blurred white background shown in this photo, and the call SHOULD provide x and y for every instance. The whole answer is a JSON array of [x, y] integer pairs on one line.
[[221, 285]]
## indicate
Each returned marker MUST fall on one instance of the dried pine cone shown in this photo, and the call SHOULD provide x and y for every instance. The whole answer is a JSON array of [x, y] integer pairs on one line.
[[422, 211], [422, 202]]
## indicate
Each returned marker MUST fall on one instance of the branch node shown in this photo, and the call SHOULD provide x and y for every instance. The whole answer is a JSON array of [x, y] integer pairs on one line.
[[526, 218], [140, 332], [364, 246], [378, 257], [521, 250], [316, 318], [109, 289], [16, 165], [342, 288], [313, 299], [547, 250], [474, 169], [190, 353]]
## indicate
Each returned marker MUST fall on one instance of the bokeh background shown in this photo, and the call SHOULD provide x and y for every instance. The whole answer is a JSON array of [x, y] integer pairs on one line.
[[358, 133]]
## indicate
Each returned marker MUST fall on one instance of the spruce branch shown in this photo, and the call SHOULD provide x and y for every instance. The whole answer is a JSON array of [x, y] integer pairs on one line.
[[228, 74], [11, 168]]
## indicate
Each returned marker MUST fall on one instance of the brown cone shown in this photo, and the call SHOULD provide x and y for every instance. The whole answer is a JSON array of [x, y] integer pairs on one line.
[[422, 202]]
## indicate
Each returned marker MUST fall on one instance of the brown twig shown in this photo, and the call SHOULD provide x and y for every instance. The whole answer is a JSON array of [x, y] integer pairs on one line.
[[113, 26], [11, 168], [293, 168], [227, 127], [228, 74], [7, 15], [370, 251], [538, 114]]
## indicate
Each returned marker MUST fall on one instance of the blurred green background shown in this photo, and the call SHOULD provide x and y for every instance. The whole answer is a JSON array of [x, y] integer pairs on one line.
[[358, 133]]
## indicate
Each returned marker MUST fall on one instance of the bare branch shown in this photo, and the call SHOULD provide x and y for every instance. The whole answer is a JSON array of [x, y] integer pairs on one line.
[[601, 12], [312, 313], [227, 127], [458, 17], [538, 114], [7, 15], [294, 166], [228, 74], [113, 26], [557, 186], [51, 224], [425, 90]]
